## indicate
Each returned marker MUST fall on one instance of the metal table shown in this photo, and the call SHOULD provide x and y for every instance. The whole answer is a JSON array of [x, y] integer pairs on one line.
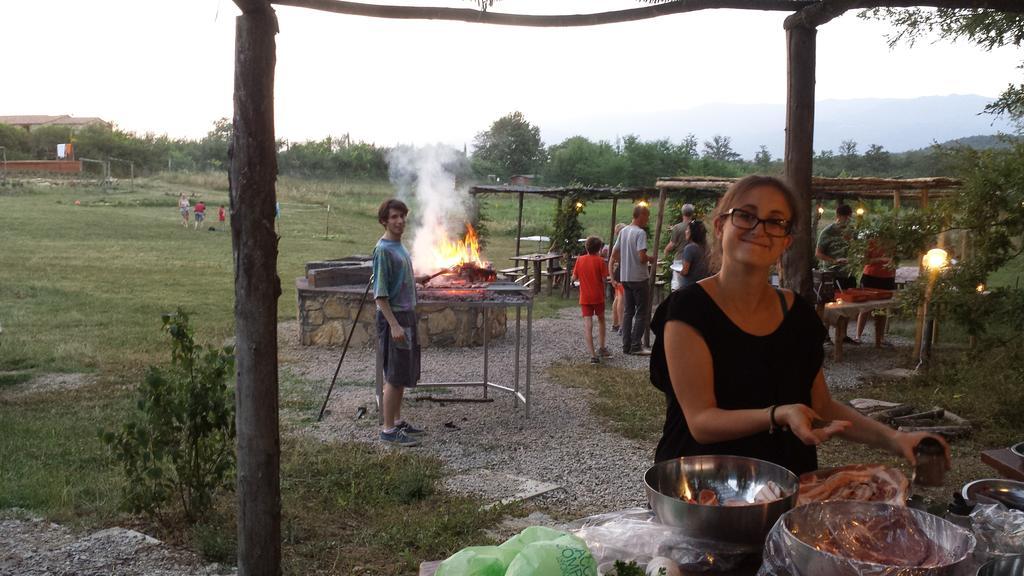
[[499, 295]]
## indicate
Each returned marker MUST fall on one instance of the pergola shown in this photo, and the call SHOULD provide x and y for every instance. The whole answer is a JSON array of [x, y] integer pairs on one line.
[[253, 172]]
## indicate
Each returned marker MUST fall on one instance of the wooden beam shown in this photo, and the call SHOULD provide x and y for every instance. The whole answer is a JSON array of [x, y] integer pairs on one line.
[[253, 6], [656, 251], [611, 230], [800, 49], [252, 176], [542, 21], [519, 223]]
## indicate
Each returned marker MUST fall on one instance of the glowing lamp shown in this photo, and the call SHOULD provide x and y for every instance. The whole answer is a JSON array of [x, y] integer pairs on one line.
[[643, 203], [860, 211], [579, 206], [821, 210], [980, 288], [936, 259]]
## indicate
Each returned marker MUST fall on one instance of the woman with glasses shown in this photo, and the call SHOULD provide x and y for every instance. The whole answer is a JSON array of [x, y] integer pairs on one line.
[[740, 361]]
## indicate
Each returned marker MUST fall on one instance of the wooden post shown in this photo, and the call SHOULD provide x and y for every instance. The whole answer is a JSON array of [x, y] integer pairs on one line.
[[655, 250], [896, 201], [253, 172], [611, 231], [800, 50], [519, 222]]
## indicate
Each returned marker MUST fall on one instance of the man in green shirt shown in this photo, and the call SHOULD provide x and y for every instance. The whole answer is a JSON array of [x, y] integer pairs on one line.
[[833, 247]]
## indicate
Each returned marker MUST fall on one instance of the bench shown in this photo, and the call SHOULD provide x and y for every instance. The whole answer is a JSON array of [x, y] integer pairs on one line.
[[554, 277], [513, 274]]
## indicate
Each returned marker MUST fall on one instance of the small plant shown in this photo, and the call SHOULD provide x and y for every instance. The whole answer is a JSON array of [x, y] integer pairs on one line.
[[180, 447], [568, 229], [628, 568]]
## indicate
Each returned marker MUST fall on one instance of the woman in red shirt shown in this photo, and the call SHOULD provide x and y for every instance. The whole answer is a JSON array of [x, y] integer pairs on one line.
[[879, 273]]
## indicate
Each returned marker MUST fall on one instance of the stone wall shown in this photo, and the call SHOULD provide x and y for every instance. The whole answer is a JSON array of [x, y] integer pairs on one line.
[[326, 314]]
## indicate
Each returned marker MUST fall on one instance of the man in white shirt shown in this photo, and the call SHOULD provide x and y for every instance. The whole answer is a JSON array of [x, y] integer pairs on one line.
[[630, 251]]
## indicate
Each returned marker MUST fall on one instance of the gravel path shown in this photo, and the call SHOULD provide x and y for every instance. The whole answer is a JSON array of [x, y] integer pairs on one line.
[[485, 443]]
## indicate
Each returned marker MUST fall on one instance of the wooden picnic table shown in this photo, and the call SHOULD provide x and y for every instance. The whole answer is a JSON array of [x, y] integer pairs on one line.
[[838, 314], [1004, 461], [536, 259]]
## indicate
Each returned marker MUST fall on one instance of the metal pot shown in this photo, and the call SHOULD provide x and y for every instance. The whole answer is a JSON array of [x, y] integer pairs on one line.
[[730, 477], [1018, 449], [811, 520], [1006, 566], [1009, 493]]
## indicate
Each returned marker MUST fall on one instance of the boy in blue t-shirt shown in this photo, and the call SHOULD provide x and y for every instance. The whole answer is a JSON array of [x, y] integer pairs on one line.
[[394, 292]]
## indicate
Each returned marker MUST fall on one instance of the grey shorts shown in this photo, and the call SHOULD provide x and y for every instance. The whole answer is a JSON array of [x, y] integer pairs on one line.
[[401, 361]]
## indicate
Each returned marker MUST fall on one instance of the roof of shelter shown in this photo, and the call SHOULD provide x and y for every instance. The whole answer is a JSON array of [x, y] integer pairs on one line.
[[45, 120], [821, 188], [830, 188]]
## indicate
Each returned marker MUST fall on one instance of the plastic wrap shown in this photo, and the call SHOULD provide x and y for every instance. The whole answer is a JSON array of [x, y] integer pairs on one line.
[[1000, 530], [636, 534], [847, 538]]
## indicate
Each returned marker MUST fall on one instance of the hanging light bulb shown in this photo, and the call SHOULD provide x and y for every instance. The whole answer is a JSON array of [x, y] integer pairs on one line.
[[936, 259]]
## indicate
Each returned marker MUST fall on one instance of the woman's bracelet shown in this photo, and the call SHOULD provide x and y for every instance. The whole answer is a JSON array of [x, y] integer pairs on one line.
[[772, 425]]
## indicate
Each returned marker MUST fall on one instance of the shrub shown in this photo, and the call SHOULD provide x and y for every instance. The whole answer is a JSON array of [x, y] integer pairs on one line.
[[180, 447]]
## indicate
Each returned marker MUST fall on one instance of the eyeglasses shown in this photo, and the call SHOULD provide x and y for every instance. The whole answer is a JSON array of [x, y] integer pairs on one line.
[[774, 227]]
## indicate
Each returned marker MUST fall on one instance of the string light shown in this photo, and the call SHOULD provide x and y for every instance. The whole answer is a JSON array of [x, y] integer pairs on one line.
[[936, 259], [860, 211], [643, 203]]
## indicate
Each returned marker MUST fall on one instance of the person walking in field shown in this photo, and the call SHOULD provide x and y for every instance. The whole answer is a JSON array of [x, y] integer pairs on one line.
[[592, 272], [200, 211], [183, 206], [394, 292]]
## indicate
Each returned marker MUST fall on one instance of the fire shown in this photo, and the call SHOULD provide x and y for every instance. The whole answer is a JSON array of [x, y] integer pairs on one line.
[[447, 253]]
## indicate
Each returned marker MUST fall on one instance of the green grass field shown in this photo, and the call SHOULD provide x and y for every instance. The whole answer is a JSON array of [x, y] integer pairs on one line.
[[85, 274]]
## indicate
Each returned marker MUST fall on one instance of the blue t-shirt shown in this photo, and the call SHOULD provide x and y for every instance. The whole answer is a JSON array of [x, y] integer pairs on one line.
[[392, 275]]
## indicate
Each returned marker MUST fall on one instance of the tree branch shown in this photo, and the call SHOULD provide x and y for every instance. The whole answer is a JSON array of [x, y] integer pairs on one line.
[[826, 10], [560, 20]]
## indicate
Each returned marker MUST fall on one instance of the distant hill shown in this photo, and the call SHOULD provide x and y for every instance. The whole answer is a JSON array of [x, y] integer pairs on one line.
[[896, 124]]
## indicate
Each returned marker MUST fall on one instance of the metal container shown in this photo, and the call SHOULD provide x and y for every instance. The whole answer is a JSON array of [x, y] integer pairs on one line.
[[1006, 566], [1018, 449], [730, 477], [1009, 493], [812, 519]]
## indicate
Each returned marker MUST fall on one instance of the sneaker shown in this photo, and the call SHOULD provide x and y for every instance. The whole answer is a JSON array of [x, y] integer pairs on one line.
[[848, 340], [595, 360], [398, 437], [617, 329], [604, 353], [641, 351], [409, 429]]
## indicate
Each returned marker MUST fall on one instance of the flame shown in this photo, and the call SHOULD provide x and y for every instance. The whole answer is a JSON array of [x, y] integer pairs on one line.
[[447, 253]]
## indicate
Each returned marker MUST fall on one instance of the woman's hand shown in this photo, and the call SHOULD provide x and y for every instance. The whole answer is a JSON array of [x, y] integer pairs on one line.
[[801, 419], [903, 444]]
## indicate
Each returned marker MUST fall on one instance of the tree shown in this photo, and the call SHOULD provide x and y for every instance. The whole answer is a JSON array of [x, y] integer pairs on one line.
[[986, 28], [763, 158], [877, 161], [511, 146], [578, 160], [720, 148], [16, 142]]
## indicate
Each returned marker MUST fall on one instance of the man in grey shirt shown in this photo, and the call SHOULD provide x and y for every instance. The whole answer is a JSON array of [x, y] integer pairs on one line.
[[630, 251], [677, 242]]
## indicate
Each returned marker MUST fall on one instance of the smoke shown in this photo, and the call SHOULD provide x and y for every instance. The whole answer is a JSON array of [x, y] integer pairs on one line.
[[428, 179]]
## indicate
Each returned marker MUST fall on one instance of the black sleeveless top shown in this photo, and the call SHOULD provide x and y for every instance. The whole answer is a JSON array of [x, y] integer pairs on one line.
[[749, 372]]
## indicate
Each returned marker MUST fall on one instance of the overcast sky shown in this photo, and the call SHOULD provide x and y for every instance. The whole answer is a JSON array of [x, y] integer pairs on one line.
[[167, 67]]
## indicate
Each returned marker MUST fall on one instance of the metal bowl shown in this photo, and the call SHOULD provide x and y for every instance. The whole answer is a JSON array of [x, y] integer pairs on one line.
[[730, 477], [1007, 566], [1009, 493], [811, 520], [1018, 449]]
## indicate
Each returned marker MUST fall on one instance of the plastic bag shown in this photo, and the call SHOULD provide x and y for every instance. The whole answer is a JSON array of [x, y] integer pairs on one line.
[[1000, 530], [537, 551], [850, 538], [636, 534]]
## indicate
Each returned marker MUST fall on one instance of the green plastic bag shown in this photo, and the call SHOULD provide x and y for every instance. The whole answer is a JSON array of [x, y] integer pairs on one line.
[[536, 551]]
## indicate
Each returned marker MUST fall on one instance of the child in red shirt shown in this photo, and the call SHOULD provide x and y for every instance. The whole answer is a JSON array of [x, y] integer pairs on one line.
[[592, 271], [220, 213]]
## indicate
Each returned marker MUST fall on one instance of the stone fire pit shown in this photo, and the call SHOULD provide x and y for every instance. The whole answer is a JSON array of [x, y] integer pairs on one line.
[[329, 296]]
